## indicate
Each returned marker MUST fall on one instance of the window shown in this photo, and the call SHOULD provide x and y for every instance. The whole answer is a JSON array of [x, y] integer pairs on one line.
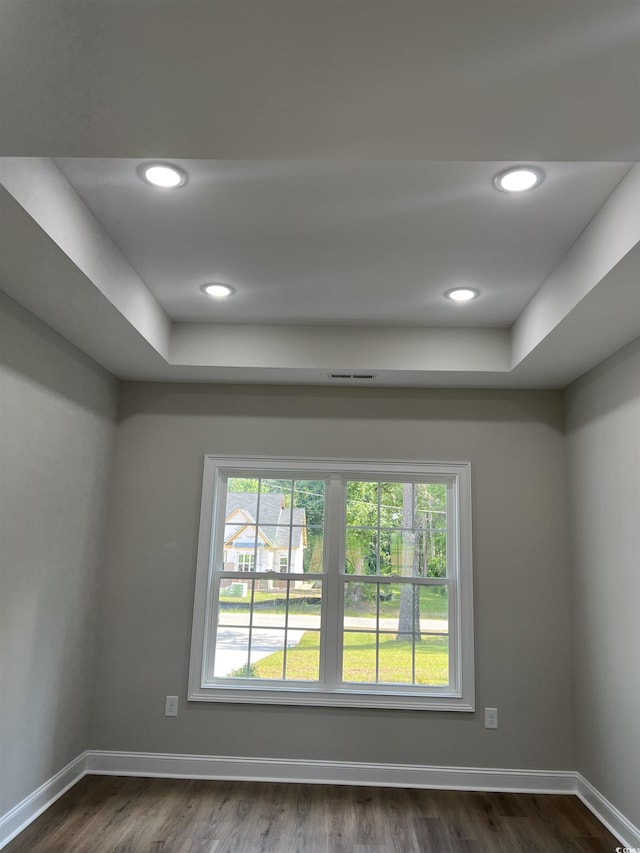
[[356, 584], [245, 562]]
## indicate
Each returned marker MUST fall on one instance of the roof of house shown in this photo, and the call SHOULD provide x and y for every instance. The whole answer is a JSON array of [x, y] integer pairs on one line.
[[275, 518]]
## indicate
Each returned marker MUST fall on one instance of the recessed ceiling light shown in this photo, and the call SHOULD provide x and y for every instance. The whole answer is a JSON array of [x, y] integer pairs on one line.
[[163, 175], [217, 291], [461, 294], [518, 179]]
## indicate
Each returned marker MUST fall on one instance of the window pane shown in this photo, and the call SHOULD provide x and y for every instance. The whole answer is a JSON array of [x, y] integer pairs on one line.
[[432, 660], [284, 549], [275, 501], [404, 611], [276, 541], [404, 553], [237, 539], [232, 652], [303, 656], [362, 504], [241, 506], [395, 659], [392, 504], [234, 602], [359, 658], [399, 505], [361, 605], [362, 552], [310, 494], [431, 503], [390, 595], [266, 644], [270, 608], [431, 554], [415, 608], [242, 484], [312, 550], [305, 606], [434, 609]]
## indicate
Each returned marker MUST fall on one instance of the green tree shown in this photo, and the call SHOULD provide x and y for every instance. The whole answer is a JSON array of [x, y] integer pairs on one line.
[[310, 496], [362, 521], [361, 553]]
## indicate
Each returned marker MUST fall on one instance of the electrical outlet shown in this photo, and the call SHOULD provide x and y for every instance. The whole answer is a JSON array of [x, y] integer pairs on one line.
[[491, 718], [171, 706]]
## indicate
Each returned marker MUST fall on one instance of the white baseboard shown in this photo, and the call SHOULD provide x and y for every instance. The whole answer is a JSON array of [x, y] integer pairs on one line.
[[608, 814], [328, 772], [20, 816], [101, 762]]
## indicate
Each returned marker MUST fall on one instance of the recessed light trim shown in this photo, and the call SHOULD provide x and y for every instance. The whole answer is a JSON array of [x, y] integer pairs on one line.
[[165, 176], [462, 294], [518, 179], [217, 290]]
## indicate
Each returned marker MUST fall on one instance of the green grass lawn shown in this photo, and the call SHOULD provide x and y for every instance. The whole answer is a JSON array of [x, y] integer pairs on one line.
[[394, 660], [433, 604]]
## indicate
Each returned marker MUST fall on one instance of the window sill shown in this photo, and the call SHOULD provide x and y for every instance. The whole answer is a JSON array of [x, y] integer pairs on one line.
[[337, 698]]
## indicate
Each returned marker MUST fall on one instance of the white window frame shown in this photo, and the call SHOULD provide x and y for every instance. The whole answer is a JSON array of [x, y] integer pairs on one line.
[[459, 695]]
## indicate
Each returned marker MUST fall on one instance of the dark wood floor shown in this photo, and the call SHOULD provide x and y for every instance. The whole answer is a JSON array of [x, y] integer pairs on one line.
[[106, 814]]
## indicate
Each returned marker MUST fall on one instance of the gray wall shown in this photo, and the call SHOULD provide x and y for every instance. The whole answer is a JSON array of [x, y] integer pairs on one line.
[[56, 436], [515, 442], [603, 440]]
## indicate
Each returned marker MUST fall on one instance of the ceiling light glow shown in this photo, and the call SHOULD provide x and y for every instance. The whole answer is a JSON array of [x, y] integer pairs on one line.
[[217, 291], [518, 179], [163, 175], [461, 294]]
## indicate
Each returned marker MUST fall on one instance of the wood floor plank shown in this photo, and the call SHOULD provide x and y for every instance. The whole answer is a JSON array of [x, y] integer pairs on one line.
[[106, 814]]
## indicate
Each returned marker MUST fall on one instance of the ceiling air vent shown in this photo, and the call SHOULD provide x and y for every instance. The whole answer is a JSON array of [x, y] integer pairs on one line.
[[351, 376]]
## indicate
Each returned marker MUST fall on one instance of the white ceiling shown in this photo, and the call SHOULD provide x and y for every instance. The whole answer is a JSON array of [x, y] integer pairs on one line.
[[340, 159], [341, 242]]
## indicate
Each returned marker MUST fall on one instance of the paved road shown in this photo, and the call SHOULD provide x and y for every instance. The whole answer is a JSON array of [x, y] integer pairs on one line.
[[274, 620]]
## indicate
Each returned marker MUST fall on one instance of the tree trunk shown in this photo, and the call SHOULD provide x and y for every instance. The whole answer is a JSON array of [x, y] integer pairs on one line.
[[354, 595], [409, 615]]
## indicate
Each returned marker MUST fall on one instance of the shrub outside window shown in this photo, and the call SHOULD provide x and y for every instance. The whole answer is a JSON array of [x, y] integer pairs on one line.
[[334, 582]]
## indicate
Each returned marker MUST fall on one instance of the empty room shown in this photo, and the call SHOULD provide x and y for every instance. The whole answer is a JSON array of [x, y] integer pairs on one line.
[[319, 426]]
